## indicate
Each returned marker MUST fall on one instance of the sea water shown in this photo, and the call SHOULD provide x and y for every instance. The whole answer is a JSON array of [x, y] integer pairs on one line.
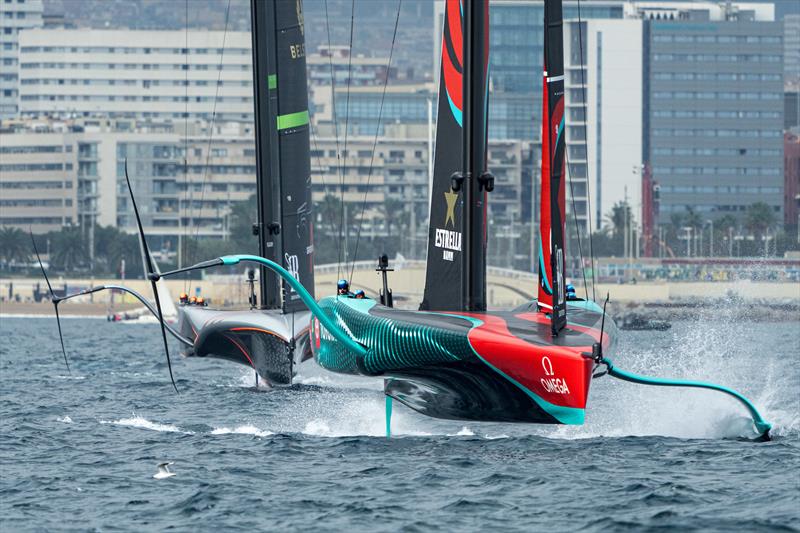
[[78, 450]]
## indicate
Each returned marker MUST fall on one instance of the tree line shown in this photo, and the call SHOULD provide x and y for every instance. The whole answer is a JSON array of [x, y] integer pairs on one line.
[[756, 233]]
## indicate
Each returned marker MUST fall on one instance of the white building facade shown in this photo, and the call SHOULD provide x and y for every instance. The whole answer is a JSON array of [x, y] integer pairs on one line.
[[15, 15], [155, 75]]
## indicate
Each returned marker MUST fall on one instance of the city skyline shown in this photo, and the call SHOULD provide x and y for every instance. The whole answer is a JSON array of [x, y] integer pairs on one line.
[[616, 130]]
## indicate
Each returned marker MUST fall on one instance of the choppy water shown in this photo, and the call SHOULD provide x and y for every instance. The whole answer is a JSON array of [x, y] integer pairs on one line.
[[79, 451]]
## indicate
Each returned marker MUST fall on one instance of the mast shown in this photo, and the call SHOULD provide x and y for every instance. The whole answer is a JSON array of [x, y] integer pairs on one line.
[[456, 267], [552, 229], [477, 181], [283, 167]]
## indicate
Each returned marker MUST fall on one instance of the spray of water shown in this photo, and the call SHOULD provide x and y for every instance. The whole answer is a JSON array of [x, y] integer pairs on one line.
[[759, 359]]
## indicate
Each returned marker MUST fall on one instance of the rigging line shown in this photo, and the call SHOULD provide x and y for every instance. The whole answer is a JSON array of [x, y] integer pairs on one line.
[[211, 127], [321, 173], [375, 140], [183, 229], [575, 218], [343, 258], [586, 146], [335, 128]]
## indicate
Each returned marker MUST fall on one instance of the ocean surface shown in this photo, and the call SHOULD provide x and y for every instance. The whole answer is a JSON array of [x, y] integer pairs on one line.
[[78, 450]]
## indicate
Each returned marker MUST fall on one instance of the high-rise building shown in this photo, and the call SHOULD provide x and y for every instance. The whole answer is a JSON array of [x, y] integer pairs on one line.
[[136, 74], [628, 89], [791, 48], [15, 15], [516, 49], [791, 195], [713, 111], [604, 92]]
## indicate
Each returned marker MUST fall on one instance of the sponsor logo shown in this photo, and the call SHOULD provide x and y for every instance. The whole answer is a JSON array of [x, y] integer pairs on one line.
[[450, 197], [448, 240], [293, 266], [297, 50], [551, 383]]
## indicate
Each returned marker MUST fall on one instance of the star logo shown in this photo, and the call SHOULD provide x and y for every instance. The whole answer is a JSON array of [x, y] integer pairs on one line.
[[450, 197]]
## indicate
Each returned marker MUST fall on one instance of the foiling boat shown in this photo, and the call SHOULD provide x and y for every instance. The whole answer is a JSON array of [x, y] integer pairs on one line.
[[453, 358], [272, 336]]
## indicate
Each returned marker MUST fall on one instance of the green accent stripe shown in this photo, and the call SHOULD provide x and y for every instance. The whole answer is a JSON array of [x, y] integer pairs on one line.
[[293, 120], [272, 81]]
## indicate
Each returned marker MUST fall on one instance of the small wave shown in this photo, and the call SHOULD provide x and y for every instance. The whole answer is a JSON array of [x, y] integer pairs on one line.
[[61, 376], [142, 423], [463, 432], [65, 419], [242, 430]]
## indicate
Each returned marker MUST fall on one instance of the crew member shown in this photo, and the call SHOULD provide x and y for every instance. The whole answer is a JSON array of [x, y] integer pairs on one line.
[[343, 288], [571, 292], [360, 295], [184, 299]]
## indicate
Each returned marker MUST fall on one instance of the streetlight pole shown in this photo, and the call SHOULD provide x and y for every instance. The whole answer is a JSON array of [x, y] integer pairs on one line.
[[711, 239], [730, 241]]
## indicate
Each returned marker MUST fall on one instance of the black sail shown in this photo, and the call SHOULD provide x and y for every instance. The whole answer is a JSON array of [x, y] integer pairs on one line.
[[282, 157], [456, 263]]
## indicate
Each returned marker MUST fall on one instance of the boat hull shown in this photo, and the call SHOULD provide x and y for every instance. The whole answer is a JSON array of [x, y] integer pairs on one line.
[[492, 366], [258, 339]]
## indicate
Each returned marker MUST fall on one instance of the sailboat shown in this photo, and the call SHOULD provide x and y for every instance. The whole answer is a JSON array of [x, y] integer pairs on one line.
[[453, 358], [272, 336]]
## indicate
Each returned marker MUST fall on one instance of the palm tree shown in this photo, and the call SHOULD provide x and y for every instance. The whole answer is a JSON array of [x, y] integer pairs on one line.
[[68, 248], [394, 213], [619, 218], [330, 211], [241, 219], [693, 219], [758, 218], [15, 246]]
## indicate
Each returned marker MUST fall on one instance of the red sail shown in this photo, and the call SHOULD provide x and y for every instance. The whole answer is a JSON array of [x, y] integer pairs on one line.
[[545, 298], [552, 229]]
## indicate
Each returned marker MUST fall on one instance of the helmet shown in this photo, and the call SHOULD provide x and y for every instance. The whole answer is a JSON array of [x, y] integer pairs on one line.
[[343, 285], [570, 287], [360, 294]]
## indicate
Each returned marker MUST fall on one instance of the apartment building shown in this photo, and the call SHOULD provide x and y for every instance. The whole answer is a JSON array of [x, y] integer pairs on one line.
[[15, 15], [156, 75]]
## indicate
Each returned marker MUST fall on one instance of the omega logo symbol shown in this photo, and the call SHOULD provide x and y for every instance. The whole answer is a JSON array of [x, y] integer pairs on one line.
[[547, 365], [552, 384]]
